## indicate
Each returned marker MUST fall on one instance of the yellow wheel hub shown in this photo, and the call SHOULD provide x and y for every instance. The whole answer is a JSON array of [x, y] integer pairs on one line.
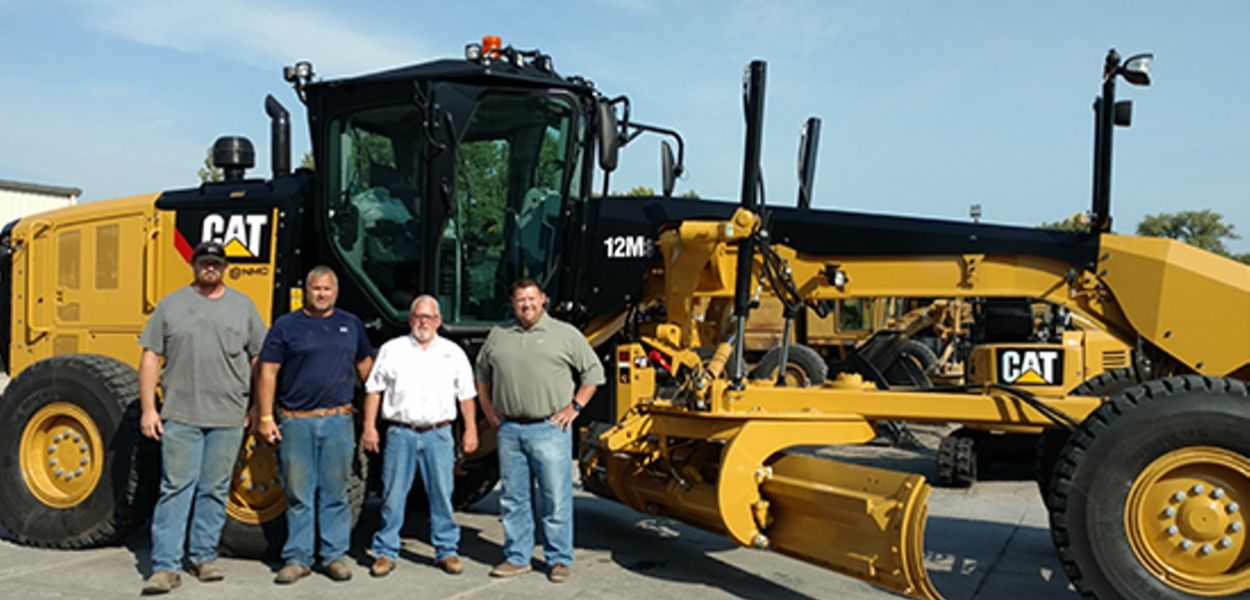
[[256, 487], [62, 455], [1186, 520]]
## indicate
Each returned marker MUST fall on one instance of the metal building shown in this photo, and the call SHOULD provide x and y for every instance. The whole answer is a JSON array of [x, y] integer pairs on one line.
[[18, 199]]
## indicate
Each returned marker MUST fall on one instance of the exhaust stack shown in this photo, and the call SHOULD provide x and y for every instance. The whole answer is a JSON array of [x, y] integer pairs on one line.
[[279, 137]]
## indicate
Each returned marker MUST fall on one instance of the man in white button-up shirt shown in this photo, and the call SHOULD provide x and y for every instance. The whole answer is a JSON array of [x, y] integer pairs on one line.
[[417, 381]]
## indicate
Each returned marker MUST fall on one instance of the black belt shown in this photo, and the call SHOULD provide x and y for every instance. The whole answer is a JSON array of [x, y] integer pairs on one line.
[[526, 420], [420, 428]]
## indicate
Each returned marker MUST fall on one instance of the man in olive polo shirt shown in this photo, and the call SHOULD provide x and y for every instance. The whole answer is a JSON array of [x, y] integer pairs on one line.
[[525, 380]]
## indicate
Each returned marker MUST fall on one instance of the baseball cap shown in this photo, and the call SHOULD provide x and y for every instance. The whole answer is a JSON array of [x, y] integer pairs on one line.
[[209, 250]]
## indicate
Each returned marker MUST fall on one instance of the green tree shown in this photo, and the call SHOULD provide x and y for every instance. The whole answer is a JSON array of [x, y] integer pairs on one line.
[[693, 195], [1204, 229], [640, 190], [209, 173], [1078, 222], [307, 161]]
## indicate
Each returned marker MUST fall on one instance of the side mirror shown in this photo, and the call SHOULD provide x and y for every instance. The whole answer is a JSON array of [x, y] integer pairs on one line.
[[667, 173], [608, 137]]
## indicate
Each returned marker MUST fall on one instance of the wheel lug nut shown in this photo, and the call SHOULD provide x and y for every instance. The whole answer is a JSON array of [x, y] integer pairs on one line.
[[1198, 489], [78, 472], [1186, 544], [1235, 527], [51, 448], [1173, 530], [1232, 507], [56, 438], [51, 462], [1226, 542], [1178, 496], [82, 448], [58, 471], [84, 461], [1169, 512], [1206, 549], [1218, 493]]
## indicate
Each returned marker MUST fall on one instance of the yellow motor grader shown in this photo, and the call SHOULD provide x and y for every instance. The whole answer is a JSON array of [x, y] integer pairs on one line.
[[455, 177], [1147, 495]]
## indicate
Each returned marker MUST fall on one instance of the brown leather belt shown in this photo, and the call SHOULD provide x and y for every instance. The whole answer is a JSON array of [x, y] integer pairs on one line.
[[420, 428], [345, 409]]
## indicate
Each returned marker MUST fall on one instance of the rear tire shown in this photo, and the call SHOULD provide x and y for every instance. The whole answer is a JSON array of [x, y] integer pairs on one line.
[[804, 366], [265, 539], [957, 460], [1050, 443], [97, 392], [1115, 481]]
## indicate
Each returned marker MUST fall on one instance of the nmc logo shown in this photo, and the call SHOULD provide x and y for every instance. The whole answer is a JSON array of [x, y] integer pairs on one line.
[[245, 234], [1030, 366]]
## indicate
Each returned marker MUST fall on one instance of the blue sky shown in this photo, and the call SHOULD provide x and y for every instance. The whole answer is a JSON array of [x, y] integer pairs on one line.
[[927, 107]]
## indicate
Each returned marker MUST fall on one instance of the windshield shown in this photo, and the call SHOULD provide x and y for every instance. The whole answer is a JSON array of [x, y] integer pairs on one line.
[[374, 208], [511, 168]]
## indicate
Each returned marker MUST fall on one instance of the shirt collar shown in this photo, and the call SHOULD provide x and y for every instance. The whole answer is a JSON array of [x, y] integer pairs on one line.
[[541, 325]]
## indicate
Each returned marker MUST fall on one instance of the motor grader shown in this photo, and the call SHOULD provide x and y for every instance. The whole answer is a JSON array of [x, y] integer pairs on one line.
[[459, 176]]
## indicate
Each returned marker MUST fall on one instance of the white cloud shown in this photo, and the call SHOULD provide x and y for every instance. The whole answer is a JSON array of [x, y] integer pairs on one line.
[[258, 34]]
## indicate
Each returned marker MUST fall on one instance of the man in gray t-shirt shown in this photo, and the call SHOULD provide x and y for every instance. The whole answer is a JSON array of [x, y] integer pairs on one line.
[[208, 336]]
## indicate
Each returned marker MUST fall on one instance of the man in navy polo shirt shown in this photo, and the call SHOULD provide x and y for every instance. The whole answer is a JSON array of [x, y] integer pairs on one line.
[[313, 358]]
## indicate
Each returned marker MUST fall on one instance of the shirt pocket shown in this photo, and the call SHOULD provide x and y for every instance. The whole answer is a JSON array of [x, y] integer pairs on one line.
[[233, 339]]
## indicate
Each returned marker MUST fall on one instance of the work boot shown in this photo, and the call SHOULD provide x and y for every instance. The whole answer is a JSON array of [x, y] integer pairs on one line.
[[161, 582], [382, 567], [558, 573], [339, 570], [291, 572], [207, 571], [506, 569], [451, 565]]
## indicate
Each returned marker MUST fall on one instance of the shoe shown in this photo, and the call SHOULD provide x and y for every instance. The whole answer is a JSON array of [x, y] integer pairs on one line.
[[506, 569], [161, 582], [382, 567], [207, 571], [451, 565], [291, 572], [339, 570], [558, 573]]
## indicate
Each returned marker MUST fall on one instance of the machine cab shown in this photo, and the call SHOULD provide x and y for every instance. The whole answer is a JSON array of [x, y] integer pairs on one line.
[[453, 178]]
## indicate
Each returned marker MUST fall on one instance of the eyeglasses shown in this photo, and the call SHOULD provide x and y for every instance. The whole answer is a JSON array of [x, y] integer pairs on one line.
[[210, 264], [425, 317]]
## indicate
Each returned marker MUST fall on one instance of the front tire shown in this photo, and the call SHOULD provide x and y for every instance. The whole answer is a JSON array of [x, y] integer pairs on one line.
[[74, 470], [1162, 464]]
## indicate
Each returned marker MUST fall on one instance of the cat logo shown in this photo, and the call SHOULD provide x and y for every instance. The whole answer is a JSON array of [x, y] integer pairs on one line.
[[1030, 366], [239, 233], [245, 234]]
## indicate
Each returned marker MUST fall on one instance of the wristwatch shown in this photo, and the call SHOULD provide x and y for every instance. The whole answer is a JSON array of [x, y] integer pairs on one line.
[[577, 407]]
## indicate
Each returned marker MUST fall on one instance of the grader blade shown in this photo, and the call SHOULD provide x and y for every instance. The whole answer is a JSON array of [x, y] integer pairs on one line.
[[860, 521]]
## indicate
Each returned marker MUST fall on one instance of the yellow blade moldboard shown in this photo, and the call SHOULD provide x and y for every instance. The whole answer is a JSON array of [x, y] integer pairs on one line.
[[863, 522]]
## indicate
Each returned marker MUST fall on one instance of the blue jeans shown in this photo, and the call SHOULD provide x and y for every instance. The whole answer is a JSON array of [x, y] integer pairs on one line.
[[196, 463], [536, 453], [435, 453], [316, 458]]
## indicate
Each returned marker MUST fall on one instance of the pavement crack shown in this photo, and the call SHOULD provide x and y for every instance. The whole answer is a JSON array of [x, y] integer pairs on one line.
[[1001, 551]]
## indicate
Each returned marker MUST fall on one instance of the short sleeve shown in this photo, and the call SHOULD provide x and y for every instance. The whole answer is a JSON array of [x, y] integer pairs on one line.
[[465, 388], [256, 330], [153, 336], [364, 349], [378, 377], [584, 361], [274, 348], [484, 368]]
